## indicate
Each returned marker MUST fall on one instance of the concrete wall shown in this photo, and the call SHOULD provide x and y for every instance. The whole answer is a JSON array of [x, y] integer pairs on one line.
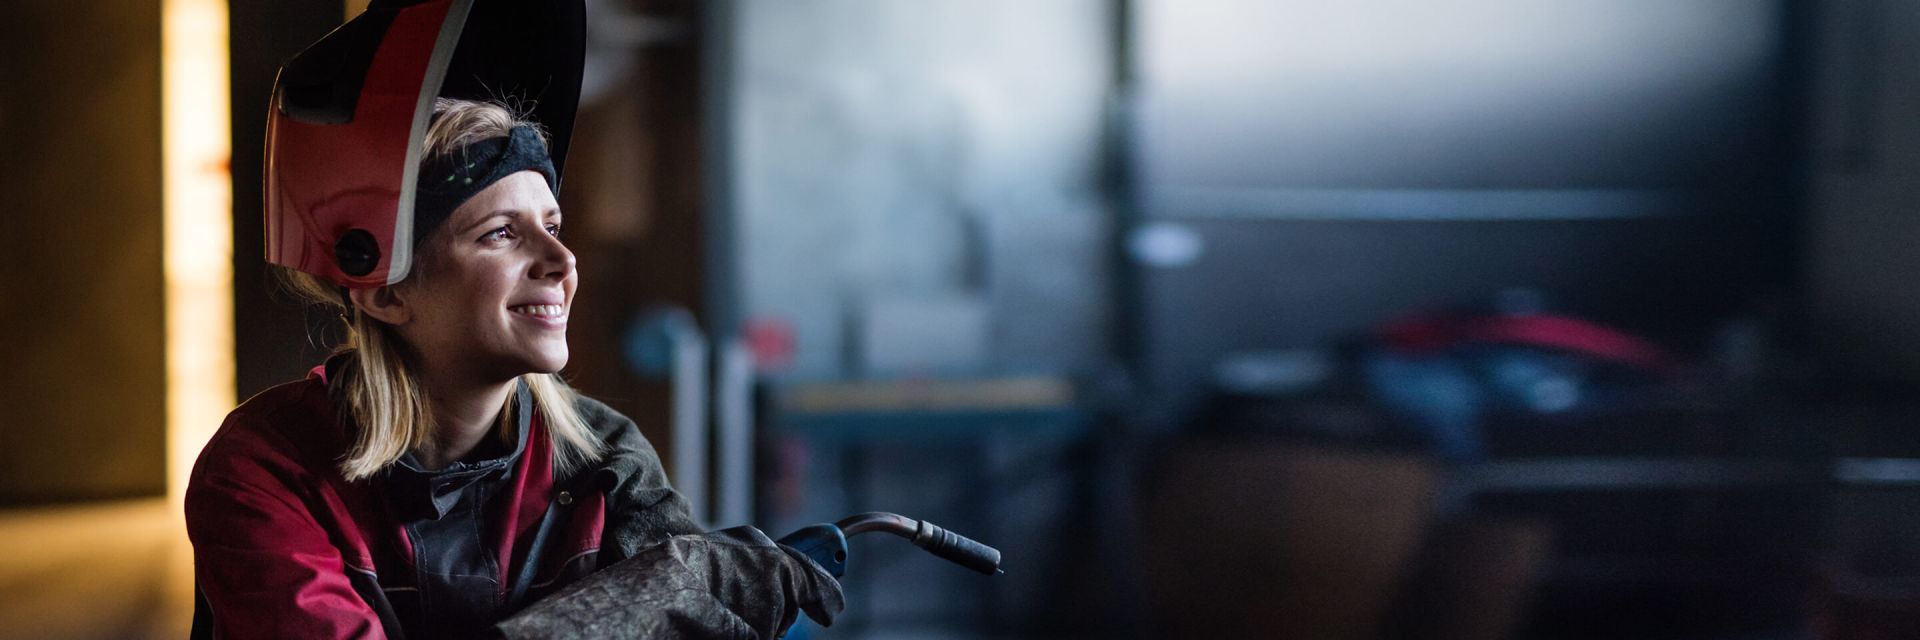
[[1864, 271], [83, 379], [934, 150]]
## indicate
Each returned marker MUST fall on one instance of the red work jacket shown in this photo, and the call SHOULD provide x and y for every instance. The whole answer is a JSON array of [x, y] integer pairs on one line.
[[285, 547]]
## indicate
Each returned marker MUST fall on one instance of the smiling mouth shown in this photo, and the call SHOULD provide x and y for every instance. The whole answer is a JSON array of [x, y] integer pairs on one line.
[[542, 311]]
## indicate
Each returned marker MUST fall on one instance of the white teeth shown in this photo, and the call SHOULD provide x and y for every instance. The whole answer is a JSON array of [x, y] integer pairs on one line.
[[540, 310]]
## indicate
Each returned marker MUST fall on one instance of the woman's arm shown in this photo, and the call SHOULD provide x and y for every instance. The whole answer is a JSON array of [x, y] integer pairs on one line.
[[643, 509], [734, 583], [266, 567]]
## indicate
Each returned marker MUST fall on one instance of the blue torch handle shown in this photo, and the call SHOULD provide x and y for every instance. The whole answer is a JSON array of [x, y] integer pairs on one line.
[[824, 544]]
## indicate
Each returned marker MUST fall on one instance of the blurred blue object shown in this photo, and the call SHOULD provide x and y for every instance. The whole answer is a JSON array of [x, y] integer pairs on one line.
[[1437, 393], [649, 342], [1447, 377], [1533, 380]]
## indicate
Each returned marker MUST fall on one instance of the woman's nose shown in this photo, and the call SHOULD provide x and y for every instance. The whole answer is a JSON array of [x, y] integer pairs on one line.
[[555, 260]]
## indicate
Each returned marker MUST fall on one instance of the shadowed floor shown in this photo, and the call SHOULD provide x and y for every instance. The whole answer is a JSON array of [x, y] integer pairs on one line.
[[108, 570]]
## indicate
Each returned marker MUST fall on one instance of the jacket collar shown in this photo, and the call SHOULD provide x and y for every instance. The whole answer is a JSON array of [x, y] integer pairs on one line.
[[416, 493]]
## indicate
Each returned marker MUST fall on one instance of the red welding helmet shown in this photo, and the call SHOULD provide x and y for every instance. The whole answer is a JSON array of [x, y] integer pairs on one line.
[[348, 115]]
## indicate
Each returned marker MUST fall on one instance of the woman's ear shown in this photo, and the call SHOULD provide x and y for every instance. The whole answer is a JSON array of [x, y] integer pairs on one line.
[[381, 303]]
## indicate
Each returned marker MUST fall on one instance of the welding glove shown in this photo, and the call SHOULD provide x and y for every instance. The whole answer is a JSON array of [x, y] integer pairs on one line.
[[732, 583]]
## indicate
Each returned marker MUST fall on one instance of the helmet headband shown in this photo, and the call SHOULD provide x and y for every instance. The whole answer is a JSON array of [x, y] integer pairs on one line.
[[448, 181]]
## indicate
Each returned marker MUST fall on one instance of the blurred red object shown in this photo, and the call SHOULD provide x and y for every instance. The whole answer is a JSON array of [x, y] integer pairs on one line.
[[1573, 335], [772, 343]]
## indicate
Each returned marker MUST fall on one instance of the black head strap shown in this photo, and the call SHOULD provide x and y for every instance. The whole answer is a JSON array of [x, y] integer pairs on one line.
[[449, 180]]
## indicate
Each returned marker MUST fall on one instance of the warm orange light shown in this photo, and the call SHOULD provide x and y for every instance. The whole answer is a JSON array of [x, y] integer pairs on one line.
[[199, 228]]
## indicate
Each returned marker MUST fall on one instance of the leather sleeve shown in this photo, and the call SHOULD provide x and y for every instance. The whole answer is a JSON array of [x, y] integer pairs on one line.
[[643, 510], [733, 583]]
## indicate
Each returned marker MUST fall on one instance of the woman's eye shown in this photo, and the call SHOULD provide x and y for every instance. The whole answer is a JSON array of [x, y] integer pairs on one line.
[[553, 230], [501, 233]]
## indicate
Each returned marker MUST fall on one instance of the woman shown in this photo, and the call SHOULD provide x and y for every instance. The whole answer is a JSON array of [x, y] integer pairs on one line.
[[435, 475]]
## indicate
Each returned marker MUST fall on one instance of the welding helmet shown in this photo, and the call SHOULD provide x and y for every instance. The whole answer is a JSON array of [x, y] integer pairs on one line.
[[349, 113]]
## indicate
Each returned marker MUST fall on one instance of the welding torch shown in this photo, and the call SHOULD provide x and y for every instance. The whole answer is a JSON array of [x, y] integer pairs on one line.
[[826, 544]]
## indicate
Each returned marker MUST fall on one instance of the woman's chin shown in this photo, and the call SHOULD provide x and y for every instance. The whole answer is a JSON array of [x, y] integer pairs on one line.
[[543, 360], [550, 363]]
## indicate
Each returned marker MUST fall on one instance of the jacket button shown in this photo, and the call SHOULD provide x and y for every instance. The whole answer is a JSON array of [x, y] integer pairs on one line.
[[566, 498]]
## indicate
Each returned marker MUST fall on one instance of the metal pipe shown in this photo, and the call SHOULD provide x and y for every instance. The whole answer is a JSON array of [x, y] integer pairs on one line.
[[733, 427]]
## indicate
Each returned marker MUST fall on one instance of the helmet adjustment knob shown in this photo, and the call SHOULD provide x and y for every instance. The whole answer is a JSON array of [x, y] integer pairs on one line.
[[356, 252]]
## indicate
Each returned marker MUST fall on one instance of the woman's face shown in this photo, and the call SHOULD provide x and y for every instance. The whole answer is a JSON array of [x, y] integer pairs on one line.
[[493, 285]]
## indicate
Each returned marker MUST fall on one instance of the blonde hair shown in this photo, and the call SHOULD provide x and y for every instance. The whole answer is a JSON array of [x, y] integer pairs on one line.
[[377, 384]]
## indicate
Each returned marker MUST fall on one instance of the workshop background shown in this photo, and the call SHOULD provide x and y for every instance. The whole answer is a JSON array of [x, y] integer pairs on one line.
[[1220, 318]]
